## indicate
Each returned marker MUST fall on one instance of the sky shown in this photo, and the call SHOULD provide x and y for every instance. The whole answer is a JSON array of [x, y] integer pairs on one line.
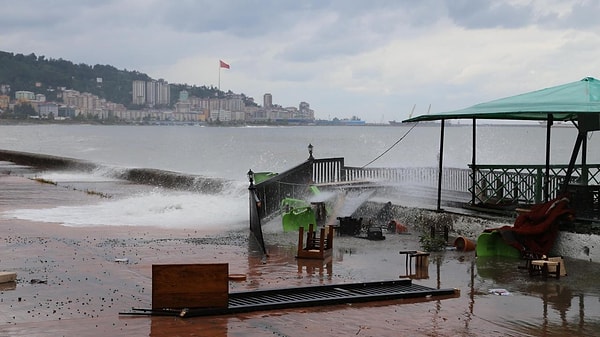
[[378, 60]]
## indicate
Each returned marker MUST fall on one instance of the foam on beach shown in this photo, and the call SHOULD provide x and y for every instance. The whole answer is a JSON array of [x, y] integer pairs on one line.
[[163, 209]]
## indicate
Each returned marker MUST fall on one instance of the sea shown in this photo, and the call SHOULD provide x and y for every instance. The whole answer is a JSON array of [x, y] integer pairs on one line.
[[226, 154]]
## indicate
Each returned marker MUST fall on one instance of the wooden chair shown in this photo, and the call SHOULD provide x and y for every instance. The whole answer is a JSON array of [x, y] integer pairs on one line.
[[315, 247], [421, 264]]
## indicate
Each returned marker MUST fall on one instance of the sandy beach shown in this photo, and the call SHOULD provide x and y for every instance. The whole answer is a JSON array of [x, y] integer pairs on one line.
[[75, 282]]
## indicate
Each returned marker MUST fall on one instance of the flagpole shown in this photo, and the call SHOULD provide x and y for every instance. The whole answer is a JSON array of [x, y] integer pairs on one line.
[[218, 94], [221, 65]]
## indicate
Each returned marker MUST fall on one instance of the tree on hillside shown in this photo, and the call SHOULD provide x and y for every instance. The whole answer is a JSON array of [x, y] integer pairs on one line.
[[24, 110], [42, 75]]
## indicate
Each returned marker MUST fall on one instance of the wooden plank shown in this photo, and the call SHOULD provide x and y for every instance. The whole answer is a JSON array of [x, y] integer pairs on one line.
[[7, 276], [178, 286]]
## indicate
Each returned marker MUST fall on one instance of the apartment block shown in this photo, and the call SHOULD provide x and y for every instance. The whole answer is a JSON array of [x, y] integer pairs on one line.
[[24, 96], [151, 93], [4, 101], [139, 92]]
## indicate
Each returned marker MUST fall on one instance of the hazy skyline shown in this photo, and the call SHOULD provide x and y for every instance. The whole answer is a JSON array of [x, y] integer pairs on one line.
[[373, 59]]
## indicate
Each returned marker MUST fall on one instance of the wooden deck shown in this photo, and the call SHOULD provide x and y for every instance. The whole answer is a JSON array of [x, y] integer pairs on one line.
[[247, 301]]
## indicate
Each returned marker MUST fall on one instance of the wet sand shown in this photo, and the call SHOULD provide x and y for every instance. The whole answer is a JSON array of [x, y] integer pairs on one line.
[[70, 282]]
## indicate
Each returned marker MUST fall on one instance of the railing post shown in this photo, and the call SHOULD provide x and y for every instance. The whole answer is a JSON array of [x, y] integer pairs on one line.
[[473, 183], [538, 185], [255, 213], [499, 189], [310, 170]]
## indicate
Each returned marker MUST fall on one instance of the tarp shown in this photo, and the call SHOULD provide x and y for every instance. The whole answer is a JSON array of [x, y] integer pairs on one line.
[[534, 232], [564, 102]]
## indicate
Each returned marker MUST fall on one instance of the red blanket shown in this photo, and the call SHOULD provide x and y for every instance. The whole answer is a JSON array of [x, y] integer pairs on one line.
[[535, 231]]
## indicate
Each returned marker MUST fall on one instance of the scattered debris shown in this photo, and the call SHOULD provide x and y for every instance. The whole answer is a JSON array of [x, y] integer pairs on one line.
[[500, 292], [38, 281]]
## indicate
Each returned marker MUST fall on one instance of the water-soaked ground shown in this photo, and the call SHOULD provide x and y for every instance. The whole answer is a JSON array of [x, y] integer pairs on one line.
[[75, 281]]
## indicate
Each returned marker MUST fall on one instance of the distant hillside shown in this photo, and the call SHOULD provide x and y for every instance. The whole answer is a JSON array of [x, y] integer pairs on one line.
[[42, 76]]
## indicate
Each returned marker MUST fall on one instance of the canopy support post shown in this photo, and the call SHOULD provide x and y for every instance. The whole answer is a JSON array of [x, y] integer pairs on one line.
[[549, 123], [584, 168], [474, 162], [440, 172], [581, 135]]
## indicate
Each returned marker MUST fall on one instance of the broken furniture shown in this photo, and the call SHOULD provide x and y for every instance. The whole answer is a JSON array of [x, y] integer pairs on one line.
[[421, 263], [552, 266], [316, 246], [349, 226], [375, 233], [533, 232], [439, 231]]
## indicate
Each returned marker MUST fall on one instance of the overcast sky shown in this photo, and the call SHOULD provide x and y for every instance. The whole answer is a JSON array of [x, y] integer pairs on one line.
[[374, 59]]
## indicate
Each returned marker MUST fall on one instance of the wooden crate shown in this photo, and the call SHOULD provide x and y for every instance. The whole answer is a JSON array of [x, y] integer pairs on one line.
[[178, 286]]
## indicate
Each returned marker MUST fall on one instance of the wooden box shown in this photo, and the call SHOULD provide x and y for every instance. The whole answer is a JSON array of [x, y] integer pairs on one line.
[[178, 286]]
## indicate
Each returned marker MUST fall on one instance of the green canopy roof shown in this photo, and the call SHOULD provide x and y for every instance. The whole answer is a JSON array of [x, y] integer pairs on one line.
[[564, 102]]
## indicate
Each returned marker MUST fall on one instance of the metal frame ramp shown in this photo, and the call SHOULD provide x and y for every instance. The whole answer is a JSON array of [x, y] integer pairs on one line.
[[248, 301]]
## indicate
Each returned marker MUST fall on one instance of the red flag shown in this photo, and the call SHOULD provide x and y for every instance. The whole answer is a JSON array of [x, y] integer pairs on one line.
[[224, 65]]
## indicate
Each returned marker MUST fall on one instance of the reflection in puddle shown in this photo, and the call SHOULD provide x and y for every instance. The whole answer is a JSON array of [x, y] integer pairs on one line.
[[312, 266]]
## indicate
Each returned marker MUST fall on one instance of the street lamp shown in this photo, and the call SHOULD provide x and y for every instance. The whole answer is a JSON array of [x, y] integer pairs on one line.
[[250, 175], [310, 150]]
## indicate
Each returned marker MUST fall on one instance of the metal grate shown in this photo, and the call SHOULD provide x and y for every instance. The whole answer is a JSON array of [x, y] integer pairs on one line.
[[310, 296]]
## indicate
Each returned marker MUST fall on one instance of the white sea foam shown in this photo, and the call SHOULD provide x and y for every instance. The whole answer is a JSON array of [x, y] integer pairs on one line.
[[75, 176], [158, 209]]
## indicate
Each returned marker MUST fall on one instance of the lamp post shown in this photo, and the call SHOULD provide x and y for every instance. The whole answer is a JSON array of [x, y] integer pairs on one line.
[[250, 175], [310, 151]]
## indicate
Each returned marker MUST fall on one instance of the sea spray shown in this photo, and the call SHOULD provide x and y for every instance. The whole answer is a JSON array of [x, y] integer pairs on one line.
[[158, 208]]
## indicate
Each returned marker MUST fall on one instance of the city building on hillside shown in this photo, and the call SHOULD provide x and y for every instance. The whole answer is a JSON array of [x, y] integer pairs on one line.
[[4, 89], [139, 92], [47, 110], [24, 95], [65, 111], [154, 97], [4, 102], [183, 107], [267, 101], [151, 93], [274, 113], [184, 95]]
